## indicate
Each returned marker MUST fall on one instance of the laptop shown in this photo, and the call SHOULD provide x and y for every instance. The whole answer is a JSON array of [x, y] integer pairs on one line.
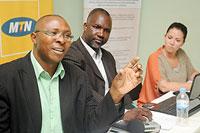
[[135, 126], [168, 106]]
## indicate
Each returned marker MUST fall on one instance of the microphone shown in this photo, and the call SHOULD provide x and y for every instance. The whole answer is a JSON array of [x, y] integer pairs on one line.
[[135, 126]]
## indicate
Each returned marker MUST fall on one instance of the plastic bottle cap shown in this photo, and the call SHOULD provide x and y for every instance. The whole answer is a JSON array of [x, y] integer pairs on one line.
[[182, 90]]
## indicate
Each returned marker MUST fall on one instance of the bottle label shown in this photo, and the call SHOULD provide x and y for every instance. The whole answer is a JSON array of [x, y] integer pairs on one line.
[[182, 104]]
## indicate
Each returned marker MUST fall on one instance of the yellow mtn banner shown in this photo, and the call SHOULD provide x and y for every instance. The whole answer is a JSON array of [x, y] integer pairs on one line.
[[17, 21]]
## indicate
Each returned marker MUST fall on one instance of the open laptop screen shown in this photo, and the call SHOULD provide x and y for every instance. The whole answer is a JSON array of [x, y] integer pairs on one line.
[[195, 89]]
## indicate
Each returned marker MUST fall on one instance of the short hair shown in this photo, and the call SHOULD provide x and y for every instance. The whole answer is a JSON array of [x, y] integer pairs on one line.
[[46, 16], [179, 26], [98, 10]]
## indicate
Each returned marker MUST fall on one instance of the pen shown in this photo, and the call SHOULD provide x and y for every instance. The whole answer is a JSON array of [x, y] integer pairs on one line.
[[133, 66], [134, 105]]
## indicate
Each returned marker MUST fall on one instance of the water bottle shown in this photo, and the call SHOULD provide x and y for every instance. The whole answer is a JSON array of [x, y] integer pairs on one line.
[[182, 106]]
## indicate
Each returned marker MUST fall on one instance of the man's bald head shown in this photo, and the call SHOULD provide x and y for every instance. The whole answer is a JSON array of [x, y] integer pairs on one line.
[[46, 18]]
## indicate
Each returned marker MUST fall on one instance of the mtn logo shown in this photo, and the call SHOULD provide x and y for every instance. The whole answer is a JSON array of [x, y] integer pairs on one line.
[[20, 26]]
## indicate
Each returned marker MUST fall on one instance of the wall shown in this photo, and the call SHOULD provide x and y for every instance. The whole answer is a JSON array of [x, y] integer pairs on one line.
[[156, 16], [72, 11]]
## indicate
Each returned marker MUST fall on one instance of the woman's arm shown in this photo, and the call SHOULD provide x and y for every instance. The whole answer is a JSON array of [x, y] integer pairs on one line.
[[166, 86], [193, 75]]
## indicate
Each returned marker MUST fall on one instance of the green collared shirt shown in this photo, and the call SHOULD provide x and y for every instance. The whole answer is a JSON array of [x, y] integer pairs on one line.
[[49, 96]]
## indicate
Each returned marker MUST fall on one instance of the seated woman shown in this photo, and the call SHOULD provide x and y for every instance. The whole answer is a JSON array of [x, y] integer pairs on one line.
[[169, 68]]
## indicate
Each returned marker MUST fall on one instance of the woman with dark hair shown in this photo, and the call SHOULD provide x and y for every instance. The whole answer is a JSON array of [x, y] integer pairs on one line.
[[169, 68]]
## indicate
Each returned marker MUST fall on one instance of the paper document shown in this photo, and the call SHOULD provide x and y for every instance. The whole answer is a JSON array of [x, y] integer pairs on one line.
[[163, 97]]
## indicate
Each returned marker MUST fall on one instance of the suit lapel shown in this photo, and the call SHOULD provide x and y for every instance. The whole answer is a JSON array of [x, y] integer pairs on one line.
[[30, 87], [65, 96], [67, 91], [107, 70], [89, 60]]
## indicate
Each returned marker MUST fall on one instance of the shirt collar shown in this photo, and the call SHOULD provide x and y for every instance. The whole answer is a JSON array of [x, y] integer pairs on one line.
[[39, 70], [91, 51]]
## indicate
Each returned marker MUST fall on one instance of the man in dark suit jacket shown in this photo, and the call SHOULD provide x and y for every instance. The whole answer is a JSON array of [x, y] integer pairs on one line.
[[85, 52], [39, 94]]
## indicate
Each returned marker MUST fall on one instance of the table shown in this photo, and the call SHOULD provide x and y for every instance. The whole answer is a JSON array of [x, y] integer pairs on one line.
[[170, 124]]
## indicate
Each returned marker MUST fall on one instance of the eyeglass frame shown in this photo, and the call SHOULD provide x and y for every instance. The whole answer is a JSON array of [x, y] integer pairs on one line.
[[66, 37]]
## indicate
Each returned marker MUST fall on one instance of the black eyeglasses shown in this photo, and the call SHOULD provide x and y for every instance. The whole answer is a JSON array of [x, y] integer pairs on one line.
[[65, 36]]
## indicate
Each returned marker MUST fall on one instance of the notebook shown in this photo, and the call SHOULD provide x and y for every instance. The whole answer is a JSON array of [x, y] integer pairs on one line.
[[168, 106]]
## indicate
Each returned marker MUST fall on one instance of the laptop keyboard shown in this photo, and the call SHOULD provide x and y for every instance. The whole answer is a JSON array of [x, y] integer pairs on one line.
[[168, 106], [172, 109]]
